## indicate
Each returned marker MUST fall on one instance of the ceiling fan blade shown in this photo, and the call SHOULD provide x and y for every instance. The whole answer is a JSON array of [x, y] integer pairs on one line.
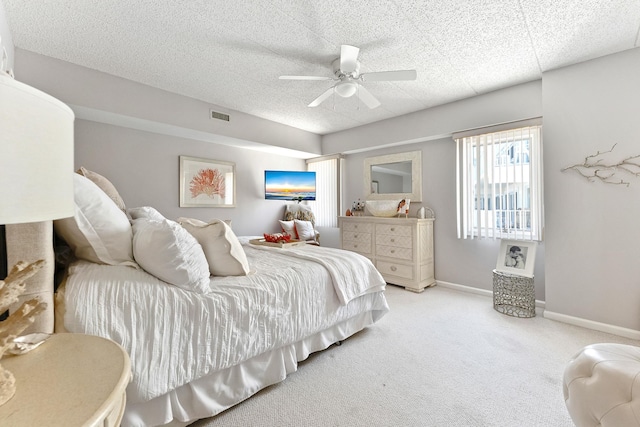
[[321, 98], [304, 78], [348, 58], [388, 76], [366, 97]]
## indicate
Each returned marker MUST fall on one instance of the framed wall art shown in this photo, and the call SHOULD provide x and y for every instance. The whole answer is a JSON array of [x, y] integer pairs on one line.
[[207, 183], [517, 257]]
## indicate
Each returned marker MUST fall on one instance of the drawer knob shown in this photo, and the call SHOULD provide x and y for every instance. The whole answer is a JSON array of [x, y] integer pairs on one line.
[[355, 235], [393, 251], [393, 268], [355, 246], [393, 240], [393, 229]]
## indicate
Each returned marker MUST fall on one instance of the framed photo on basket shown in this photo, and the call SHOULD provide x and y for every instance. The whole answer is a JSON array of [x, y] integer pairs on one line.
[[207, 183], [517, 257]]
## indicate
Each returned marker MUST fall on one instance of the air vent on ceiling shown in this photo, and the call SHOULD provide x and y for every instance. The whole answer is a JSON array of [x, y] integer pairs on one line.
[[219, 116]]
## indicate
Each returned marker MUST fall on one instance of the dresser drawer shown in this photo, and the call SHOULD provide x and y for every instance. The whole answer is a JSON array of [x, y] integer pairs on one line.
[[394, 230], [394, 252], [356, 236], [364, 247], [365, 227], [398, 270], [394, 240]]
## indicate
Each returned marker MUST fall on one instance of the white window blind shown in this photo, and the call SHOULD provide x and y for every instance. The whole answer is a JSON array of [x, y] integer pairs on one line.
[[326, 207], [499, 182]]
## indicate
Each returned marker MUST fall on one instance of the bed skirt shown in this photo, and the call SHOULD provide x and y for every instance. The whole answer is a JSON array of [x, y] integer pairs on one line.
[[212, 394]]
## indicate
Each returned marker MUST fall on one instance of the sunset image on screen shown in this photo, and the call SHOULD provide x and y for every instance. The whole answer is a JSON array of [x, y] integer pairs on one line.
[[290, 185]]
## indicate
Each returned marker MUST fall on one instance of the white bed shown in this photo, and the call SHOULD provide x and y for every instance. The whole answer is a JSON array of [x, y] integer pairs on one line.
[[198, 354], [195, 354]]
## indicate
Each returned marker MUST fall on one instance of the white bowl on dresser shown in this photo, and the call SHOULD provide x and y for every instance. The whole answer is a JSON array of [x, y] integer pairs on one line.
[[383, 208]]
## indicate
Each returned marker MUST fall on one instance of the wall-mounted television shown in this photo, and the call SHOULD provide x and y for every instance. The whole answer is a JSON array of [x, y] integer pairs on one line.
[[290, 185]]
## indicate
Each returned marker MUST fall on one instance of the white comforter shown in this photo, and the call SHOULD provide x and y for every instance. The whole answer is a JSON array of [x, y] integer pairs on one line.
[[174, 336], [351, 276]]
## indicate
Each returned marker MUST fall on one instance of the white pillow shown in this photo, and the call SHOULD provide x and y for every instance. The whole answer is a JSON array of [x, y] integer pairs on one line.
[[99, 231], [305, 230], [289, 227], [145, 212], [222, 248], [167, 251]]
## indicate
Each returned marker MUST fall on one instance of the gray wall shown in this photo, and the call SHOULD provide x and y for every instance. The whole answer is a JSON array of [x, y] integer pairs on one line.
[[97, 96], [514, 103], [144, 167], [593, 229]]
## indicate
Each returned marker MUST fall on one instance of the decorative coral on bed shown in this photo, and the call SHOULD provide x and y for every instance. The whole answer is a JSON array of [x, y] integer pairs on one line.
[[209, 182], [277, 237]]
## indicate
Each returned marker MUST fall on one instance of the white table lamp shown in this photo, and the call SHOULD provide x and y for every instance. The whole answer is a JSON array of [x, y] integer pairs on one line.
[[36, 184], [36, 155]]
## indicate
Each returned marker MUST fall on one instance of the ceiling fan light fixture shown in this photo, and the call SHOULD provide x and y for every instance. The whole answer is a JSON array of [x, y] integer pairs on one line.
[[346, 89], [349, 81]]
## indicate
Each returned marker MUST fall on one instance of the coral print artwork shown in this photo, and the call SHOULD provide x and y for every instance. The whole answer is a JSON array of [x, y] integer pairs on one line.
[[206, 183], [209, 182]]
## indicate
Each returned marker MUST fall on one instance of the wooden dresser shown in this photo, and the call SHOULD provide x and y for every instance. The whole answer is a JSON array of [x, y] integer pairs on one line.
[[400, 248]]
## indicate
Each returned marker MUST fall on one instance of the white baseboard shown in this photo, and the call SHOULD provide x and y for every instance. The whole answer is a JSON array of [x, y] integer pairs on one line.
[[577, 321], [596, 326], [470, 289]]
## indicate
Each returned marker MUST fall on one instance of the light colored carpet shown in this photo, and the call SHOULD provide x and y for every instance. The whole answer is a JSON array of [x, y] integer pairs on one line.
[[440, 358]]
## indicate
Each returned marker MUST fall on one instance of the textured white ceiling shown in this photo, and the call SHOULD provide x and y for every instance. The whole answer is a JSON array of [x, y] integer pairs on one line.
[[230, 53]]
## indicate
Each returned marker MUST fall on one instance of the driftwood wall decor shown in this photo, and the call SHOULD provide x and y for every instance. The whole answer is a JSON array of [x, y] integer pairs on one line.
[[596, 168]]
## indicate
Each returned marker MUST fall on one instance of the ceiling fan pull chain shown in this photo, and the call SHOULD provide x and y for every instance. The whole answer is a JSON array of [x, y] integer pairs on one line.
[[334, 98]]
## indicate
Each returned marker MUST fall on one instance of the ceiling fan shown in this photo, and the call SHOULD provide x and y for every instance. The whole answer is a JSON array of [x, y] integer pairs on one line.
[[346, 70]]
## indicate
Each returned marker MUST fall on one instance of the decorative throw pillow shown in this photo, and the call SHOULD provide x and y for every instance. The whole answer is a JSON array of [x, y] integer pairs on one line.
[[305, 230], [289, 227], [146, 212], [299, 211], [222, 248], [105, 185], [99, 231], [167, 251]]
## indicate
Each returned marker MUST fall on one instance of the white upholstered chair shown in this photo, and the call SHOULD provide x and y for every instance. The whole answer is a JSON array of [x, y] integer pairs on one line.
[[300, 222]]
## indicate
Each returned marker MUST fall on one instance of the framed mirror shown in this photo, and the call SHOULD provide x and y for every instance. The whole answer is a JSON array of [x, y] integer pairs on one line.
[[394, 176]]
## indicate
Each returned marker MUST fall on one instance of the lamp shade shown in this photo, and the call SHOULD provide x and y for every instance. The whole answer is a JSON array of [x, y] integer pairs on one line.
[[36, 155]]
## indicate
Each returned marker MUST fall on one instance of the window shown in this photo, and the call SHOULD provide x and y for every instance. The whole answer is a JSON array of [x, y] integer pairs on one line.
[[326, 207], [499, 182]]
